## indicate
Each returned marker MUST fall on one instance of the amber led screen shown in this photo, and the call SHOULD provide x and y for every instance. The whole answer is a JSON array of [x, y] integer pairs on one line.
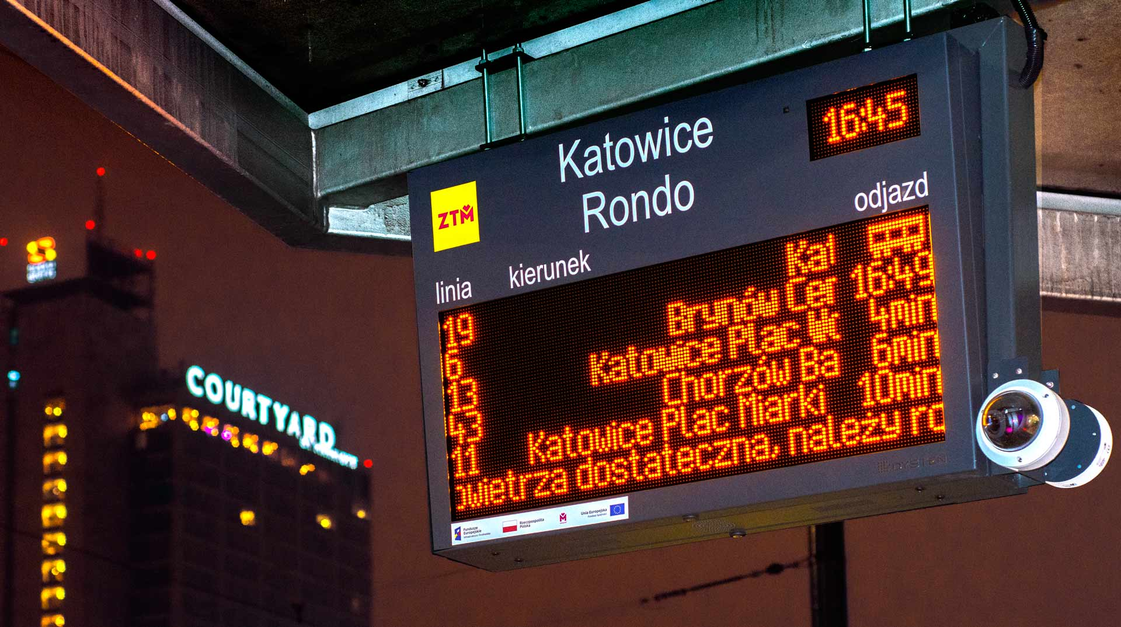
[[863, 117], [790, 351]]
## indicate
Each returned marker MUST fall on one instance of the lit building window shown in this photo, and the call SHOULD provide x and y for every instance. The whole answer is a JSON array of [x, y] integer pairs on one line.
[[248, 518], [51, 597], [54, 490], [53, 571], [54, 435], [152, 417], [229, 434], [155, 416], [149, 420], [307, 468], [324, 521], [53, 515], [53, 543], [53, 462], [54, 408]]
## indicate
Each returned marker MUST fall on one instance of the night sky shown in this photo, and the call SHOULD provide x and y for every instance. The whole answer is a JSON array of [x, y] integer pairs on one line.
[[334, 334]]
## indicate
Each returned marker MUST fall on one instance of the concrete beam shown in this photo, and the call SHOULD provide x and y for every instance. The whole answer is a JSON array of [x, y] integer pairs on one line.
[[147, 67], [362, 160], [142, 68]]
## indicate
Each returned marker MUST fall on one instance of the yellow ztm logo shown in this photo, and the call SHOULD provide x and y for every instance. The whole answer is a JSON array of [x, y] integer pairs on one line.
[[455, 216]]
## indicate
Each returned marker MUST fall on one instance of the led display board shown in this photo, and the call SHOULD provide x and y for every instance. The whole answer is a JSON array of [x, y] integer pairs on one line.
[[789, 351], [864, 117], [680, 323]]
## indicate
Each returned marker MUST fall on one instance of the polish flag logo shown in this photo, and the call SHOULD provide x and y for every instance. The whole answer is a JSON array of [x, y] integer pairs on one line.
[[509, 526], [563, 518]]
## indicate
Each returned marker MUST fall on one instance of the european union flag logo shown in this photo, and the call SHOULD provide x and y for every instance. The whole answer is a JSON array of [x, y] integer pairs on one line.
[[618, 509], [459, 534]]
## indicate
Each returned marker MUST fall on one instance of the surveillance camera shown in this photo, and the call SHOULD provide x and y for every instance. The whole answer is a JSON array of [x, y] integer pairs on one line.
[[1024, 425]]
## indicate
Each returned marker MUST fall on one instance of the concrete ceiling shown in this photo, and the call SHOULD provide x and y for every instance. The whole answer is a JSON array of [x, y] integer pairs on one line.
[[1079, 122], [322, 53], [240, 94]]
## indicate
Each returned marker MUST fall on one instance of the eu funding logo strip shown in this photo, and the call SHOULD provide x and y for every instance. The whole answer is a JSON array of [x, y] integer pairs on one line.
[[524, 523]]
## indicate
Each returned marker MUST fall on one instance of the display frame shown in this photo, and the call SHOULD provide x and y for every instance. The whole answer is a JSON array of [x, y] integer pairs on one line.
[[947, 74]]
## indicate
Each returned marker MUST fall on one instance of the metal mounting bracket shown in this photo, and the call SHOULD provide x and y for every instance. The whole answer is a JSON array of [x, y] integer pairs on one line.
[[515, 58], [1006, 370]]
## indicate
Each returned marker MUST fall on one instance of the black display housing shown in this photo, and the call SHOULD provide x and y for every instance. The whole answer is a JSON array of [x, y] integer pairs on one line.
[[754, 182]]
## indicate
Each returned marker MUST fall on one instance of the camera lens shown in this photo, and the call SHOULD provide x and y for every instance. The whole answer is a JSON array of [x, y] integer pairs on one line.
[[1011, 420]]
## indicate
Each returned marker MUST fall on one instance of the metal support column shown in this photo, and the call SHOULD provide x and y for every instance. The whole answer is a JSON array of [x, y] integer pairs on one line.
[[518, 54], [486, 96], [828, 587], [867, 25]]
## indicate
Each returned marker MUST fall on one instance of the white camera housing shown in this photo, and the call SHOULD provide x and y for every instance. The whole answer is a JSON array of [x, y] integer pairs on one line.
[[1087, 451], [1051, 428]]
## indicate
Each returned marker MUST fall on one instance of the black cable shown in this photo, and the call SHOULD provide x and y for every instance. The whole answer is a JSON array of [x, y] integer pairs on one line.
[[1036, 37], [771, 569], [37, 536]]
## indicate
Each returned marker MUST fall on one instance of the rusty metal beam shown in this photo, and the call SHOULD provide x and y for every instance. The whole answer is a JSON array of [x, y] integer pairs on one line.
[[1080, 247]]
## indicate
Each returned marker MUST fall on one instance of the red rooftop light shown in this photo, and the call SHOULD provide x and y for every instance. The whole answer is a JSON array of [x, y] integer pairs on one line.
[[369, 463], [151, 255], [101, 171], [3, 241], [90, 225], [139, 253]]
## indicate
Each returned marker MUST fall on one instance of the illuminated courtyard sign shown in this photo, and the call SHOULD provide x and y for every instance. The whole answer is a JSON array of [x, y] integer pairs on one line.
[[311, 434]]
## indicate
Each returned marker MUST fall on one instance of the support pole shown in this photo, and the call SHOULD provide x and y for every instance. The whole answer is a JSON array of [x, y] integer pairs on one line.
[[486, 96], [867, 25], [518, 52], [907, 20], [828, 587], [99, 207]]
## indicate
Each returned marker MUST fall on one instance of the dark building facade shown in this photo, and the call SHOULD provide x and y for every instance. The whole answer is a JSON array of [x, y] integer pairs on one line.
[[125, 502]]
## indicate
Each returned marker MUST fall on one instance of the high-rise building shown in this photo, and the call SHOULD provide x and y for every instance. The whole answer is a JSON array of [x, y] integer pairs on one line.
[[127, 501]]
